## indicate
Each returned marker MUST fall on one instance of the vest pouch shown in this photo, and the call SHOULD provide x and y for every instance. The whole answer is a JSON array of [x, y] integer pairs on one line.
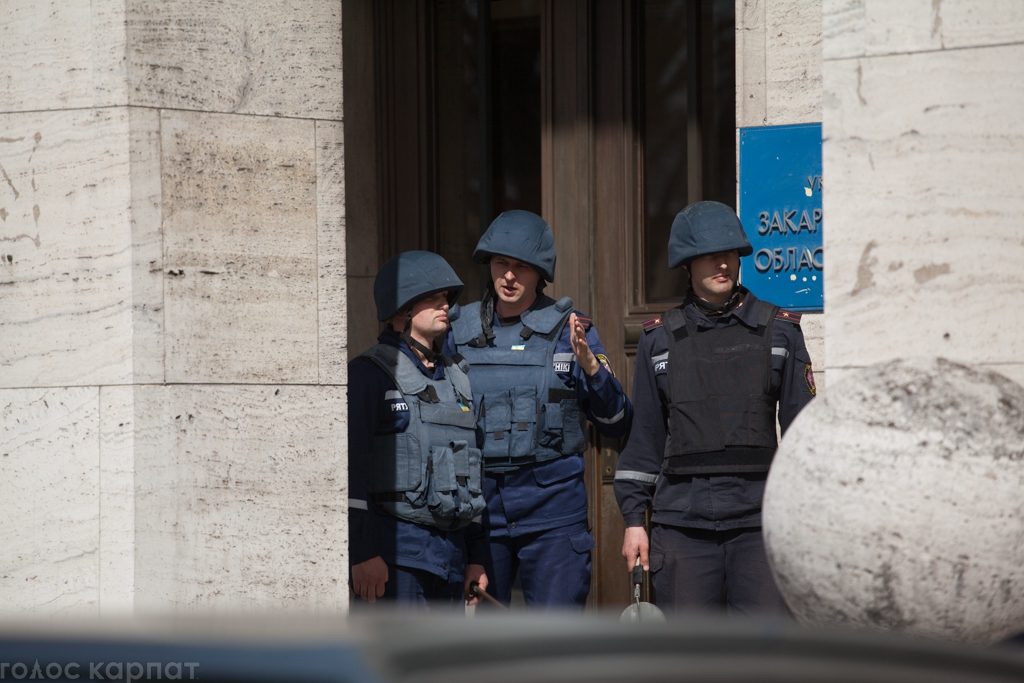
[[551, 426], [442, 487], [469, 480], [475, 473], [524, 420], [455, 482], [496, 424], [402, 473], [447, 414], [573, 438], [695, 427], [753, 420], [561, 428]]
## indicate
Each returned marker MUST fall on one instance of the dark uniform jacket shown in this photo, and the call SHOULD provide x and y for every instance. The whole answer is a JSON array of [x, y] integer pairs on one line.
[[703, 501], [376, 407]]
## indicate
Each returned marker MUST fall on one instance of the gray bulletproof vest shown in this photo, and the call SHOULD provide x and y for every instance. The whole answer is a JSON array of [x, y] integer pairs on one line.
[[721, 412], [432, 472], [525, 412]]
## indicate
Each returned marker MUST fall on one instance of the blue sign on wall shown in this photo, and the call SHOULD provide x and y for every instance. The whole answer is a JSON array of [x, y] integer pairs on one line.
[[780, 207]]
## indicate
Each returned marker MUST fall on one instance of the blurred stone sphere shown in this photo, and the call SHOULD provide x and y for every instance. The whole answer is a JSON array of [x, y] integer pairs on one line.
[[896, 501]]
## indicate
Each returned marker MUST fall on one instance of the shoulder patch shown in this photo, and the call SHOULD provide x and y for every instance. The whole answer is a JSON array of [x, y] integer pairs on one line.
[[652, 323], [788, 316]]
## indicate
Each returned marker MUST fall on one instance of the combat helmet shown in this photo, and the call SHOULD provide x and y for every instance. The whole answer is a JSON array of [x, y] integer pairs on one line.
[[705, 228], [522, 235], [409, 277]]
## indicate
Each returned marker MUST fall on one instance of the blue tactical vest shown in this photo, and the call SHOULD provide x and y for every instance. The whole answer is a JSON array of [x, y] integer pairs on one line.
[[432, 472], [524, 411]]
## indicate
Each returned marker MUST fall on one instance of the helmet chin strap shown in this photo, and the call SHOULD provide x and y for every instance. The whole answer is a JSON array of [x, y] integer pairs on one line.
[[486, 318], [428, 353]]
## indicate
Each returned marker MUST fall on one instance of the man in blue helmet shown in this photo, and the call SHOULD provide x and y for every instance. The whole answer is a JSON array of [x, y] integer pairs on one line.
[[710, 376], [415, 472], [538, 371]]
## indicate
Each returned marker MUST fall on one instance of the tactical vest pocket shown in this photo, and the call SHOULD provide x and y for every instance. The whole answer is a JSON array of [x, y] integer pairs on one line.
[[551, 426], [509, 422], [695, 427], [454, 415], [573, 438], [399, 473], [751, 420], [561, 430], [475, 471], [524, 420], [475, 484], [454, 482], [496, 424]]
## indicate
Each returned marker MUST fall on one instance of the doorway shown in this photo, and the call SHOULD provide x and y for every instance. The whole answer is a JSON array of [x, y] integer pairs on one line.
[[606, 117]]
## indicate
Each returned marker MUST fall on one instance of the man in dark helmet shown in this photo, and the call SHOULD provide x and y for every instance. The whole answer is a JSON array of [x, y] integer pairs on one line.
[[710, 376], [538, 371], [415, 472]]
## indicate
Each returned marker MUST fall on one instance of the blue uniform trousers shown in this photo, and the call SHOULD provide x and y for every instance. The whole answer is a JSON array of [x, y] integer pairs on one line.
[[554, 564], [703, 569], [416, 589]]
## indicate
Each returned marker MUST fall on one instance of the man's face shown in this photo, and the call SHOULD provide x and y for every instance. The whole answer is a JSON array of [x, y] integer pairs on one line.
[[513, 280], [429, 317], [714, 275]]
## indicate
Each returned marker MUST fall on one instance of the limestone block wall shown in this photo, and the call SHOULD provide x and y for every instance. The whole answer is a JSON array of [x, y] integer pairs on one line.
[[172, 306], [778, 82], [924, 161]]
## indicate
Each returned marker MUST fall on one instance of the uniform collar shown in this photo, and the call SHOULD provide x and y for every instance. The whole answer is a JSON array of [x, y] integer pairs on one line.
[[391, 338], [746, 312], [515, 319]]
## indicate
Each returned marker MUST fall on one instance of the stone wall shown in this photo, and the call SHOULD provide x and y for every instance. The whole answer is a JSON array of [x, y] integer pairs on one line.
[[778, 82], [172, 241], [924, 160]]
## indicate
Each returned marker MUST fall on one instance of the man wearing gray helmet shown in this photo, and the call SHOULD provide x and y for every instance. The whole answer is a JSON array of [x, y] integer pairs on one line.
[[538, 371], [415, 472], [710, 377]]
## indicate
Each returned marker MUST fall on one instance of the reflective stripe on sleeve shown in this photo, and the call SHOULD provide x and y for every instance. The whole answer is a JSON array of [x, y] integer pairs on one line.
[[356, 504], [563, 357], [392, 395], [659, 357], [636, 476], [779, 351], [611, 420]]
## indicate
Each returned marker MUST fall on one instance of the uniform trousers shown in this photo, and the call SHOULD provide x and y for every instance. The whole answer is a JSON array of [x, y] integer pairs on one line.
[[417, 589], [703, 569], [554, 567]]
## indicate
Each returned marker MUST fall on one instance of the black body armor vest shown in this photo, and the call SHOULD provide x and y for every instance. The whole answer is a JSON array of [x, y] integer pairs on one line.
[[721, 410]]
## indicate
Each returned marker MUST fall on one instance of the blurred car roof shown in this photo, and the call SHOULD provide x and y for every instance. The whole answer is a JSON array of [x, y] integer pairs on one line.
[[385, 646]]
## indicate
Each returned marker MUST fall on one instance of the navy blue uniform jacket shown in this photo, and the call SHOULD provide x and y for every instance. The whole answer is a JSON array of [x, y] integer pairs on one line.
[[719, 502]]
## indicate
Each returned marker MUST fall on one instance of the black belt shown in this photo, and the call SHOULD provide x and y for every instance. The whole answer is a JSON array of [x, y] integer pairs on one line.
[[728, 461]]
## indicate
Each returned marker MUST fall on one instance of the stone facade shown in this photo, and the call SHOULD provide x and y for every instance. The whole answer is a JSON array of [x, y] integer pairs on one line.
[[923, 157], [173, 267]]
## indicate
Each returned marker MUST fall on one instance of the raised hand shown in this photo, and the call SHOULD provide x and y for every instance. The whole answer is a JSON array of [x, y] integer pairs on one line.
[[578, 338]]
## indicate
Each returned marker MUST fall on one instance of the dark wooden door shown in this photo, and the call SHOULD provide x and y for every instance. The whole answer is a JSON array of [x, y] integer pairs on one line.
[[579, 86]]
